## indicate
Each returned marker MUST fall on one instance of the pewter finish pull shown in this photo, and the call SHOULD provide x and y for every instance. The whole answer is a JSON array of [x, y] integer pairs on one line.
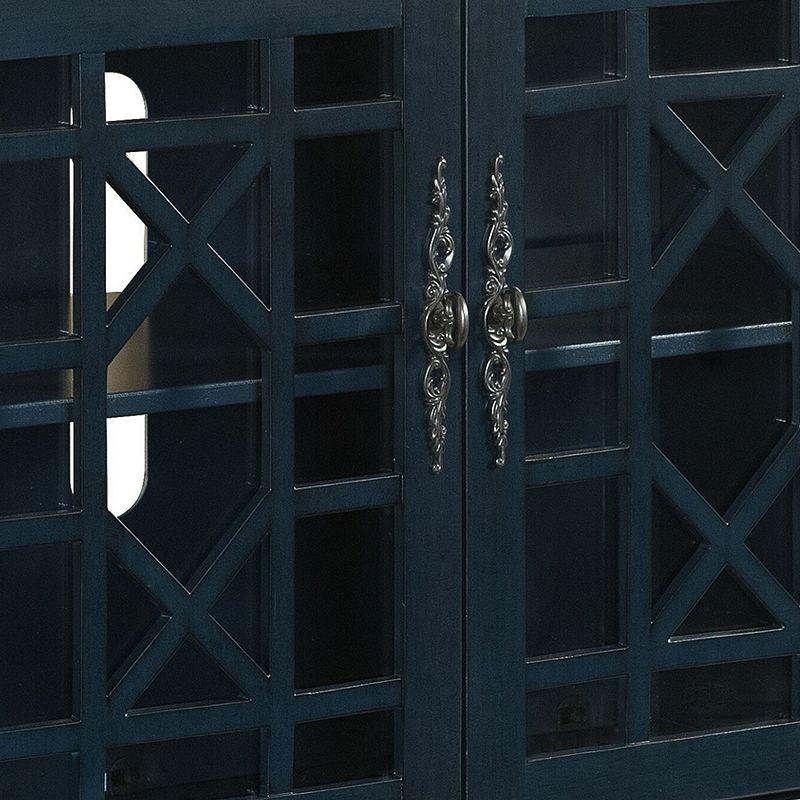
[[505, 313], [445, 320]]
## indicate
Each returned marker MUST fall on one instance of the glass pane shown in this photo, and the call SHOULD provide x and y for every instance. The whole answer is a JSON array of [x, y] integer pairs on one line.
[[203, 768], [721, 696], [191, 80], [53, 777], [357, 444], [24, 393], [344, 244], [575, 336], [39, 637], [572, 409], [344, 597], [36, 93], [702, 402], [36, 249], [572, 717], [37, 462], [573, 547], [574, 198], [572, 49], [719, 35], [344, 749], [342, 67]]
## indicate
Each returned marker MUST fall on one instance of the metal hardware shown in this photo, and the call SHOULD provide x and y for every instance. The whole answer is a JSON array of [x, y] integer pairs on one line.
[[505, 313], [445, 319]]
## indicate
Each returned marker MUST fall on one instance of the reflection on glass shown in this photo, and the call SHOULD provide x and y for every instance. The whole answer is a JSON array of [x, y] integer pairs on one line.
[[573, 717]]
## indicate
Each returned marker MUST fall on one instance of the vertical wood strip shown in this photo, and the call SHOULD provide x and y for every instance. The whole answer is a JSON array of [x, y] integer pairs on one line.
[[281, 100], [639, 349], [90, 416]]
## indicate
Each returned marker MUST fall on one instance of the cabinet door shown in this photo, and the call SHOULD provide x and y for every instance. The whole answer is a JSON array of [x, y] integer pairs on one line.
[[275, 607], [632, 570]]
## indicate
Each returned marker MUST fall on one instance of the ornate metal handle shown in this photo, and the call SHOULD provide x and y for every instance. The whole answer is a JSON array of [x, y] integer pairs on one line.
[[505, 313], [445, 319]]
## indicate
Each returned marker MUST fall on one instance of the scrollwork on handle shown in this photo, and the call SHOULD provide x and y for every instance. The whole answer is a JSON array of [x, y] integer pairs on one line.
[[505, 313], [445, 320]]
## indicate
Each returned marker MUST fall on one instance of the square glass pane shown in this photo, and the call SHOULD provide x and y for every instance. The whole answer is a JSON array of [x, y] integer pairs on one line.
[[574, 198], [344, 245], [39, 636], [344, 597], [37, 464], [578, 48], [344, 749], [202, 768], [36, 240], [573, 409], [573, 543], [708, 36], [721, 696], [577, 716], [36, 93], [343, 67]]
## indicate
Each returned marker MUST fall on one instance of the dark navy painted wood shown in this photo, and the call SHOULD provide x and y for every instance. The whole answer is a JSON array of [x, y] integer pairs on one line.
[[495, 532]]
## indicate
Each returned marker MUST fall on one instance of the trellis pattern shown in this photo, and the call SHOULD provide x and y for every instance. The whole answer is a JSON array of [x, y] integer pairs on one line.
[[652, 622], [271, 699]]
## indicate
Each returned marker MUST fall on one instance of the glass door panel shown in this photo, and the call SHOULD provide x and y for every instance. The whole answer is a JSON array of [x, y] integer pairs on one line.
[[650, 164]]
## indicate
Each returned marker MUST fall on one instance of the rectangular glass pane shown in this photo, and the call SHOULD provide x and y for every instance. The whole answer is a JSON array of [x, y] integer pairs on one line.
[[36, 249], [344, 749], [572, 546], [721, 696], [344, 411], [36, 93], [344, 597], [54, 777], [203, 768], [37, 463], [573, 717], [344, 221], [709, 36], [574, 198], [578, 48], [190, 80], [38, 634], [343, 67]]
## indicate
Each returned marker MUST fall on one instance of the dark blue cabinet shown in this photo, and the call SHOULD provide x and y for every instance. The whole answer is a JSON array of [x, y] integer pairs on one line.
[[452, 348]]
